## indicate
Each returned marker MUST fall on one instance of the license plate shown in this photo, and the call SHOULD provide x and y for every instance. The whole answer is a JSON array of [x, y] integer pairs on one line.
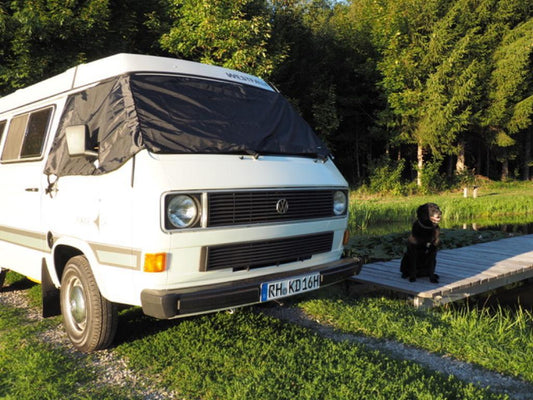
[[288, 287]]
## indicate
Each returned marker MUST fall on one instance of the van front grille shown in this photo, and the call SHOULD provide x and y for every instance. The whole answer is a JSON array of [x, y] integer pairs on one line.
[[262, 206], [266, 253]]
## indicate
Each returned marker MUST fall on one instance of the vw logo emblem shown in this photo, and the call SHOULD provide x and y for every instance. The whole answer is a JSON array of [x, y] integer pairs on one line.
[[282, 206]]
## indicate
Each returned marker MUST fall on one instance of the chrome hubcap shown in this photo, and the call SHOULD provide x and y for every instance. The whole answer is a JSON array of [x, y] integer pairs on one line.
[[78, 310]]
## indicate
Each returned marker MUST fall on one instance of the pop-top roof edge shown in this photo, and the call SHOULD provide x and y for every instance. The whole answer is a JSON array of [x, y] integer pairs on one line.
[[119, 64]]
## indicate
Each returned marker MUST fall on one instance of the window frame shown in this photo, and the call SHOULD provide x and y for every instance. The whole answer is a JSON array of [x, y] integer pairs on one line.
[[3, 124], [19, 139]]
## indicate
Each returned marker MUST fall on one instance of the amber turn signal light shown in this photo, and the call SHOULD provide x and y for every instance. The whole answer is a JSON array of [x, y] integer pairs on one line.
[[346, 237], [155, 262]]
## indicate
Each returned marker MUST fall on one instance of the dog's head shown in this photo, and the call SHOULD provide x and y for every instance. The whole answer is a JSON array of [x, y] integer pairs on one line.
[[429, 213]]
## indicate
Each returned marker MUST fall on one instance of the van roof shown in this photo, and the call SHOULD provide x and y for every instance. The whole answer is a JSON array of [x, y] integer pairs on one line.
[[119, 64]]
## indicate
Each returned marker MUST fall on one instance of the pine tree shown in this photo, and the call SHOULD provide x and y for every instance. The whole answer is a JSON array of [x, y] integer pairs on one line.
[[511, 107]]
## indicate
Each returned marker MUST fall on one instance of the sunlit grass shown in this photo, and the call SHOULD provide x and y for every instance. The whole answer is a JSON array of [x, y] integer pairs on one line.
[[509, 203], [250, 356], [499, 339], [219, 356], [238, 356], [366, 212], [31, 369]]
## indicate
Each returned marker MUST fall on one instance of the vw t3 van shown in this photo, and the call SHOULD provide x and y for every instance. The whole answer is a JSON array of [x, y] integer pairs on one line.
[[178, 187]]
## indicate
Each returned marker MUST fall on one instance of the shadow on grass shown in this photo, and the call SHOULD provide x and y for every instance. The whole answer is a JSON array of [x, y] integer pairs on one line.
[[134, 325], [20, 284]]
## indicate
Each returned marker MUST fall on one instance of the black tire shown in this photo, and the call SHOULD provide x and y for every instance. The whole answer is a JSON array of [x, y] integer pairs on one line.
[[89, 319], [3, 273]]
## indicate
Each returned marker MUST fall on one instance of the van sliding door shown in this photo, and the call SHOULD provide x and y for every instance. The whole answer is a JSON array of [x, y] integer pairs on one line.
[[22, 240]]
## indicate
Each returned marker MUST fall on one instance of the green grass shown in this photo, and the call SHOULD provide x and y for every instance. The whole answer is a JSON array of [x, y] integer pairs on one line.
[[499, 339], [509, 203], [249, 356], [245, 355], [33, 369], [20, 282]]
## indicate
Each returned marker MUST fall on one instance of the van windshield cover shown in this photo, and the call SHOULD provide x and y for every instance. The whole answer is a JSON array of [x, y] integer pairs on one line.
[[180, 114], [169, 114]]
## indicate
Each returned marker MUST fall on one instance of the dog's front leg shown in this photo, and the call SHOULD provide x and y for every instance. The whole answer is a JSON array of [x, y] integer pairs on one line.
[[433, 277], [413, 261]]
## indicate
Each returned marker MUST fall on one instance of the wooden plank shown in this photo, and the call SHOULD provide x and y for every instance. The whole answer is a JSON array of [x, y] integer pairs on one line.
[[468, 258], [460, 293]]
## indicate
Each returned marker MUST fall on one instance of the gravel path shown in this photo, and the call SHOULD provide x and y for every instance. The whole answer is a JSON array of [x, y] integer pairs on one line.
[[113, 371]]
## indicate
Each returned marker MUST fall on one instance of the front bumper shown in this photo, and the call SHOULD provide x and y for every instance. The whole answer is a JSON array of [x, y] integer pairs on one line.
[[165, 304]]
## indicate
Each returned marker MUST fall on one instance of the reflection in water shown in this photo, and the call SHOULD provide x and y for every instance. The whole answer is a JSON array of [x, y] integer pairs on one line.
[[508, 228], [405, 226]]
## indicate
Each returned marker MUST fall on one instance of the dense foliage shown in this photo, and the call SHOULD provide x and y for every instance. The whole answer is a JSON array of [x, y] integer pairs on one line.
[[444, 85]]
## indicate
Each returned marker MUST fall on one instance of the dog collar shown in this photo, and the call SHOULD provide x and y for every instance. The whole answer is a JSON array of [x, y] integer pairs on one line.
[[424, 226]]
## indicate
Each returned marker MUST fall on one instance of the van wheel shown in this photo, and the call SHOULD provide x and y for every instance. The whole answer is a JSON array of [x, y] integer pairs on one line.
[[90, 320]]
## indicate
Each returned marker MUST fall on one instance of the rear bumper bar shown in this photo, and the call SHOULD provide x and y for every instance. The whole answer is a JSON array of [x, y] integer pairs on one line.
[[165, 304]]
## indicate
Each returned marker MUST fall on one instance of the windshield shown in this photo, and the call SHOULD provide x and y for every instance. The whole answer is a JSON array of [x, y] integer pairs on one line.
[[193, 115]]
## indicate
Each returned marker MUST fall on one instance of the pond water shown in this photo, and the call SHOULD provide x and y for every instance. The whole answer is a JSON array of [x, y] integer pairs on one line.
[[524, 227]]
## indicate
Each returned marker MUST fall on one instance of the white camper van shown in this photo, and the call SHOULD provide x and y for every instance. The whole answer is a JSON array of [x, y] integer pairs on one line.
[[178, 187]]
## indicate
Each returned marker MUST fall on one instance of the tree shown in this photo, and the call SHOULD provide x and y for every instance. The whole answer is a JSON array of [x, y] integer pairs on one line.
[[437, 63], [43, 37], [403, 31], [329, 74], [229, 33], [459, 50], [429, 80], [511, 108], [358, 97]]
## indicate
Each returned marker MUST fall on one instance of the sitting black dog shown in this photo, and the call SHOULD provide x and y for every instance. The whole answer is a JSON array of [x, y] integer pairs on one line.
[[421, 256]]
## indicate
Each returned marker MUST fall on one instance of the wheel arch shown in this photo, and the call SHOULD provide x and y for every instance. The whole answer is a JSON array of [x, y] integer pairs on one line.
[[63, 253], [63, 250], [105, 275]]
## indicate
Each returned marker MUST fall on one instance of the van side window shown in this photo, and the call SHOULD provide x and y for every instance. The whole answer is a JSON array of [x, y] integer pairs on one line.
[[14, 137], [2, 127], [36, 133], [26, 134]]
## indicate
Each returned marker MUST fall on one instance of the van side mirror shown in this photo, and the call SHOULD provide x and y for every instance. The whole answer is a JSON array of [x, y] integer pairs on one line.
[[76, 136]]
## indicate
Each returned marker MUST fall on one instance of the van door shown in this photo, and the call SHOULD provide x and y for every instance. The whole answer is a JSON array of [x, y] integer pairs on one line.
[[22, 239]]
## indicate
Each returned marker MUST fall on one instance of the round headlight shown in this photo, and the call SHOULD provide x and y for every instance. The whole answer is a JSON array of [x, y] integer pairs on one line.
[[182, 211], [340, 203]]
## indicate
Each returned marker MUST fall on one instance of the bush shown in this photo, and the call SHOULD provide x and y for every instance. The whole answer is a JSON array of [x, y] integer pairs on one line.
[[386, 176], [433, 180], [466, 178]]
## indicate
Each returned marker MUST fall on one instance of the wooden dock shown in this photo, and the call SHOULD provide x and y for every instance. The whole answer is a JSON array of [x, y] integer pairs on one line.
[[463, 272]]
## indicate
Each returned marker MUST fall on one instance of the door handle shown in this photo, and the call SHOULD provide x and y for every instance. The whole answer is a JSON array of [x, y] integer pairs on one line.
[[31, 189]]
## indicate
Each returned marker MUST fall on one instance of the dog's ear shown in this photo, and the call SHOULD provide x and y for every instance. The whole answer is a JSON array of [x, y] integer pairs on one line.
[[422, 212]]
